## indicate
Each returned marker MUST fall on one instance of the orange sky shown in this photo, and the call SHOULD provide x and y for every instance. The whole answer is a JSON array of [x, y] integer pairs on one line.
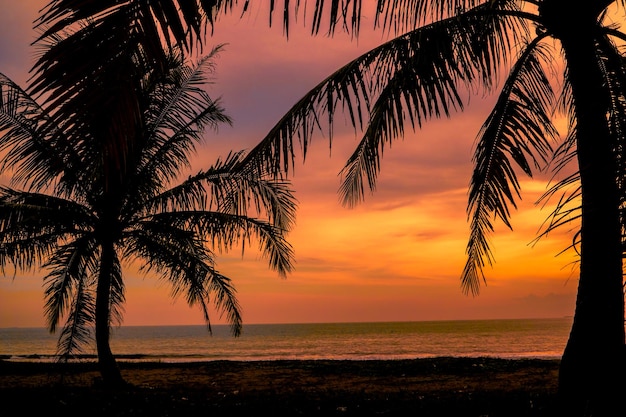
[[397, 257]]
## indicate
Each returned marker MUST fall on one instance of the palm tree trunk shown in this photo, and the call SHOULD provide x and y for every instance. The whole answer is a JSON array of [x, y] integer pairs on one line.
[[591, 378], [109, 371]]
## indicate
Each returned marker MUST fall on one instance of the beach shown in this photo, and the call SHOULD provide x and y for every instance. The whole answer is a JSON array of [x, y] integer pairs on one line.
[[442, 386]]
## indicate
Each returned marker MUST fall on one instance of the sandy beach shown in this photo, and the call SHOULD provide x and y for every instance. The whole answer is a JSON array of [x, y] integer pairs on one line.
[[422, 387]]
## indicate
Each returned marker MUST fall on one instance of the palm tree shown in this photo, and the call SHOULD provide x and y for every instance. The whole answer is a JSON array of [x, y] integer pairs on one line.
[[448, 48], [444, 47], [67, 218]]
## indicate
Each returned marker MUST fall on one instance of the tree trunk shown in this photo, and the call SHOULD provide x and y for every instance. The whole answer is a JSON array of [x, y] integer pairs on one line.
[[591, 378], [109, 371]]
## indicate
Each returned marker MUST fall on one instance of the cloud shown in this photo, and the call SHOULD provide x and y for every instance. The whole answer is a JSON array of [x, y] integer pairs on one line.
[[549, 305], [396, 256]]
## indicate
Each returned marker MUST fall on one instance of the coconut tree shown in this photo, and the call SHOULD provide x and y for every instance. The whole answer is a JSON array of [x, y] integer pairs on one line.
[[448, 48], [441, 49], [61, 212]]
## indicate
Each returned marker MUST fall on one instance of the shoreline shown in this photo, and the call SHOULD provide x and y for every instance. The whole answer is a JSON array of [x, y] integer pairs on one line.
[[439, 386], [185, 359]]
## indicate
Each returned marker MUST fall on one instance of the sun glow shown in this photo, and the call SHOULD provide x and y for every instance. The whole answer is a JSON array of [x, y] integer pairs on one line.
[[397, 256]]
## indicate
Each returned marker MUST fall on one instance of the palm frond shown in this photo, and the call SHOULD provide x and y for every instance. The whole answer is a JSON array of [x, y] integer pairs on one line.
[[205, 282], [94, 56], [405, 15], [179, 112], [117, 295], [425, 83], [181, 257], [31, 225], [164, 160], [517, 130], [73, 73], [567, 210], [462, 49], [234, 189], [193, 193], [327, 16], [222, 231], [35, 157], [229, 187], [179, 23], [177, 99], [72, 268], [77, 330], [116, 43], [168, 249], [421, 86], [275, 154], [193, 284], [225, 300], [273, 245]]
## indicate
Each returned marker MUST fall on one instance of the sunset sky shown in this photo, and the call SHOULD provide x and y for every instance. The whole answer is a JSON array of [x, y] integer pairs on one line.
[[396, 257]]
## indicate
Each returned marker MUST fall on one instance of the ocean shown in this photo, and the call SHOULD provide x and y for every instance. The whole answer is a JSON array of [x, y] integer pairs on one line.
[[531, 338]]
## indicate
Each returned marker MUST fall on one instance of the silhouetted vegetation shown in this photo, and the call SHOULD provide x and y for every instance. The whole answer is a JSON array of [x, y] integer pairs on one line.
[[443, 51], [82, 220]]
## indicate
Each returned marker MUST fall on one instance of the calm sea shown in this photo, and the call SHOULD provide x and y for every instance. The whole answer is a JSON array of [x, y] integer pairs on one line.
[[536, 338]]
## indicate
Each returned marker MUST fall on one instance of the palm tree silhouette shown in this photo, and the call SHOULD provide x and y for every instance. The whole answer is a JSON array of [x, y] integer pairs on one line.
[[448, 49], [65, 217], [444, 48]]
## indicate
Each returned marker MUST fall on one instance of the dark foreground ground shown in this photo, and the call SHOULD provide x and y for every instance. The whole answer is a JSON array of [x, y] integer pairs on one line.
[[478, 387]]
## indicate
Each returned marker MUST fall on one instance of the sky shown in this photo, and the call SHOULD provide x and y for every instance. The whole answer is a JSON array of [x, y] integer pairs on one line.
[[398, 256]]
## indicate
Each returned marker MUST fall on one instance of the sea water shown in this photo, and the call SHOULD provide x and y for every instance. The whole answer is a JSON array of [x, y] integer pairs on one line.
[[531, 338]]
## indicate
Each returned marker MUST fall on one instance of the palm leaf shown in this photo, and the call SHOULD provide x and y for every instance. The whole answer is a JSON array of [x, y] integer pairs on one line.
[[517, 130], [234, 190], [117, 295], [223, 231], [179, 112], [34, 157], [567, 209], [227, 187], [461, 49], [181, 258], [31, 225], [77, 330], [405, 15], [423, 78], [177, 100], [72, 268], [225, 300]]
